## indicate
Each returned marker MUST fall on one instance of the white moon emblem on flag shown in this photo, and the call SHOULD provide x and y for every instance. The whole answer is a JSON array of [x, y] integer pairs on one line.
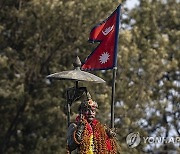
[[104, 57], [108, 30]]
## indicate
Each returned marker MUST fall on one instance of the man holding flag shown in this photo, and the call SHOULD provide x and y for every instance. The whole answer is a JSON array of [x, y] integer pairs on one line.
[[87, 134]]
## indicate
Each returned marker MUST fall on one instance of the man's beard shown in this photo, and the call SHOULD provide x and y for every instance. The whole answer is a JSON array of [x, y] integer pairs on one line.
[[90, 118]]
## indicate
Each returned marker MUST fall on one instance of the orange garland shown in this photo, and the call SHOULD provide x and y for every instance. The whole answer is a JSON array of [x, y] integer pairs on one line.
[[75, 138], [99, 141]]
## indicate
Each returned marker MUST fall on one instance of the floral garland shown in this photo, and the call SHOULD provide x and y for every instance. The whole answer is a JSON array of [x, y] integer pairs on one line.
[[102, 143], [96, 133]]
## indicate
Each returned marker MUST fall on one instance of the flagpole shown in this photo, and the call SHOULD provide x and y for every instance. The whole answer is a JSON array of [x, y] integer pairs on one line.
[[115, 68], [113, 97]]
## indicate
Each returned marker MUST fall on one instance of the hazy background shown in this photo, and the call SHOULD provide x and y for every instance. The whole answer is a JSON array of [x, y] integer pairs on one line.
[[40, 37]]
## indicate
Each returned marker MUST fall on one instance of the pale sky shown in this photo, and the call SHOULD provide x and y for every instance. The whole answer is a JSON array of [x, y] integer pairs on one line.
[[132, 3]]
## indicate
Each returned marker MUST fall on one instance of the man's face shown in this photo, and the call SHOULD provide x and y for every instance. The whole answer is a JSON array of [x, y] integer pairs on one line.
[[89, 114]]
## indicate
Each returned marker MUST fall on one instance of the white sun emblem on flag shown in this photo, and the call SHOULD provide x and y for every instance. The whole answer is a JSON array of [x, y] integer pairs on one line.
[[104, 57]]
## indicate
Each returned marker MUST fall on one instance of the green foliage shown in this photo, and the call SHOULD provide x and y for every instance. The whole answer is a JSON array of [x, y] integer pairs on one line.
[[40, 37], [149, 72]]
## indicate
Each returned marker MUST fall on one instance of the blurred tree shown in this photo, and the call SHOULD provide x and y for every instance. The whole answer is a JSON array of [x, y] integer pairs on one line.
[[40, 37], [148, 85]]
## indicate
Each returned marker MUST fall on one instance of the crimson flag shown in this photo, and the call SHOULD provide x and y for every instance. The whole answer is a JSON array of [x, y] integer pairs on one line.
[[105, 55]]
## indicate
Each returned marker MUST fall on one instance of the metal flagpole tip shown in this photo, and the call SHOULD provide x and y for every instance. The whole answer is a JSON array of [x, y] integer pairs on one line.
[[76, 74]]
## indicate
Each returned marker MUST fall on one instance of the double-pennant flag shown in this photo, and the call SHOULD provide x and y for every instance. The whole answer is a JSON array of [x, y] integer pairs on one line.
[[104, 57]]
